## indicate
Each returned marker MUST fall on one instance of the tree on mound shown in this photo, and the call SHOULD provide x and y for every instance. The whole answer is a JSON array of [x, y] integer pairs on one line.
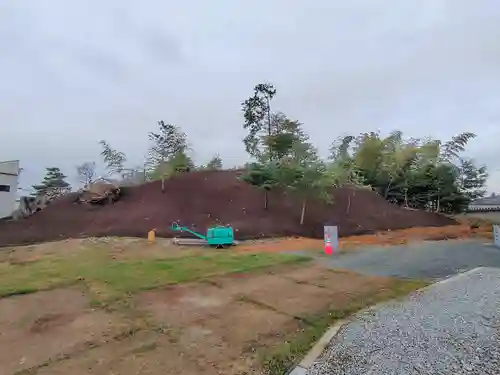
[[168, 152], [86, 173], [262, 176], [419, 173], [257, 114], [113, 159], [53, 184], [306, 176], [425, 174], [273, 140], [288, 160], [214, 164], [178, 163], [472, 179]]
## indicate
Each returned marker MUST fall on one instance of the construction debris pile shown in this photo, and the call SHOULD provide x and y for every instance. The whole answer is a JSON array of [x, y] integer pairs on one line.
[[98, 192], [29, 205], [204, 199]]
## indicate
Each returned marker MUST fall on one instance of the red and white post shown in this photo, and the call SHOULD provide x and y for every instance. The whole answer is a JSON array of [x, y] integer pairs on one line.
[[331, 240]]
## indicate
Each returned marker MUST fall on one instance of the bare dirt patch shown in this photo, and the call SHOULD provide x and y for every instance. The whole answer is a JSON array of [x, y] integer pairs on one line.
[[220, 343], [335, 280], [319, 276], [40, 327], [227, 339], [226, 321], [143, 353], [50, 321], [183, 304], [301, 294]]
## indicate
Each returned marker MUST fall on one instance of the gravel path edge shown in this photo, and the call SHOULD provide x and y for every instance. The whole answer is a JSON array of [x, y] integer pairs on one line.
[[304, 365]]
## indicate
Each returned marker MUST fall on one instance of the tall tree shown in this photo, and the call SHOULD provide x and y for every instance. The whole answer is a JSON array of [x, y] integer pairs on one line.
[[472, 179], [168, 143], [283, 143], [450, 150], [450, 161], [215, 163], [422, 173], [305, 176], [86, 172], [262, 142], [257, 114], [178, 163], [53, 184], [342, 169], [283, 140], [113, 159]]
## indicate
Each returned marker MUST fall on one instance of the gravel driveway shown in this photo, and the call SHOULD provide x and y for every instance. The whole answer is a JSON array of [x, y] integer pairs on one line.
[[433, 260], [450, 328]]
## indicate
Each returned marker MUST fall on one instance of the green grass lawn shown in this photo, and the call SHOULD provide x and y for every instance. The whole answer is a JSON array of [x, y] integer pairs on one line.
[[119, 278]]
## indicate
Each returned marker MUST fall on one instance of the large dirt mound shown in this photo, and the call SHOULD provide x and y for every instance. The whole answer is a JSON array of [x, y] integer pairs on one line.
[[202, 199]]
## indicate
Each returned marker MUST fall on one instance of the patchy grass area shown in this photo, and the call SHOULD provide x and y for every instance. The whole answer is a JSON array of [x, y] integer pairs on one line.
[[111, 247], [105, 306], [280, 359], [265, 322], [121, 277]]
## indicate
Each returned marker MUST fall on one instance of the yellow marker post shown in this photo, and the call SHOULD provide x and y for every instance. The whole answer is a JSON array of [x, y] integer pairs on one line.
[[151, 236]]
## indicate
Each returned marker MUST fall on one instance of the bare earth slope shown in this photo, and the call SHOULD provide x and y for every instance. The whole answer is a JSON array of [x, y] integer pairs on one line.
[[202, 199]]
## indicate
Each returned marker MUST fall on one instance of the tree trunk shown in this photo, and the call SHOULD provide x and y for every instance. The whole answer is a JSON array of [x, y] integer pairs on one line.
[[162, 166], [303, 212], [266, 200], [386, 194], [268, 116], [269, 132], [348, 204], [406, 198]]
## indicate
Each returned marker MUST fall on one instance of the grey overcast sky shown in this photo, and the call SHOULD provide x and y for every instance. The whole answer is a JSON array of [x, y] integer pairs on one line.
[[75, 72]]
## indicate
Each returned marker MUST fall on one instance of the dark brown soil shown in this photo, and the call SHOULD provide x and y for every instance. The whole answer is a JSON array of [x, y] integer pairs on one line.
[[203, 199]]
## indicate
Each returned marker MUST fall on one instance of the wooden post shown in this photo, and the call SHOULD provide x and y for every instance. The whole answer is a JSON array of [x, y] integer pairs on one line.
[[151, 235]]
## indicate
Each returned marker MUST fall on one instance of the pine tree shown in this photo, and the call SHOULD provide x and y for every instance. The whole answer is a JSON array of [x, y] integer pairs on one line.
[[258, 118], [53, 183]]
